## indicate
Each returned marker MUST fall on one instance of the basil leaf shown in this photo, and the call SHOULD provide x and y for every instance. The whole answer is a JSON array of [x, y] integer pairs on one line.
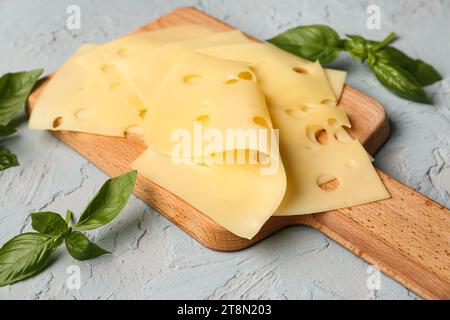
[[25, 255], [7, 159], [356, 46], [81, 248], [49, 223], [6, 130], [108, 202], [399, 81], [14, 90], [316, 42], [423, 72]]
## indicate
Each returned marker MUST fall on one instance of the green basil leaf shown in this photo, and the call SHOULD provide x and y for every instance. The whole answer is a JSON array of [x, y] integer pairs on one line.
[[81, 248], [423, 72], [356, 46], [25, 255], [108, 202], [398, 80], [14, 91], [7, 159], [6, 130], [49, 223], [316, 42]]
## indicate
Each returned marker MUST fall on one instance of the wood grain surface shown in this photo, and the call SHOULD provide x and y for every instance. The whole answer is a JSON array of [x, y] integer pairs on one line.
[[407, 236]]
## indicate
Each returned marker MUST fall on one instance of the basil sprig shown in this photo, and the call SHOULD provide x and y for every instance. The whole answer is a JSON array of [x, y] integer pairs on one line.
[[14, 91], [29, 253], [404, 76]]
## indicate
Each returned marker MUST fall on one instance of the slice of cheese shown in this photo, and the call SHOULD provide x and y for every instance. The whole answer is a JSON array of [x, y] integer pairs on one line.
[[237, 197], [300, 117], [144, 72], [219, 95], [102, 60], [216, 94], [76, 100], [336, 78], [311, 162]]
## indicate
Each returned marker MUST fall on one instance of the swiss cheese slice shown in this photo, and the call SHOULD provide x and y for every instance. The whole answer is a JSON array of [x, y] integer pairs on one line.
[[312, 161], [102, 60], [218, 95], [76, 100]]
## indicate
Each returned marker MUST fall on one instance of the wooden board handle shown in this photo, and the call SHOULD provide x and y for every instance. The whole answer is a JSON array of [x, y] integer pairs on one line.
[[407, 237]]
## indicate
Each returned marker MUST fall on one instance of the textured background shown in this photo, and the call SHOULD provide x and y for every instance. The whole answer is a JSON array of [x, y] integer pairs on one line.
[[151, 257]]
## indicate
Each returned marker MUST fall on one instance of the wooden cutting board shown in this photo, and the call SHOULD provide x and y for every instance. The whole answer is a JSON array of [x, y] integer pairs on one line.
[[407, 236]]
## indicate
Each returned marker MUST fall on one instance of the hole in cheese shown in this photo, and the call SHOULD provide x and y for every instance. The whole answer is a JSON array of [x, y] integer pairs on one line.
[[329, 102], [84, 113], [296, 113], [331, 121], [142, 113], [231, 81], [342, 136], [57, 122], [322, 136], [300, 70], [306, 108], [317, 134], [107, 68], [123, 52], [260, 121], [192, 79], [327, 182], [245, 75], [203, 118]]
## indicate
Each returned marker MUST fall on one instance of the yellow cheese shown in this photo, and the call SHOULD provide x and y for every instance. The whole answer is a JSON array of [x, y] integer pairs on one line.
[[217, 94], [310, 162], [220, 95], [102, 60], [145, 72], [336, 78], [75, 100], [297, 79], [237, 197], [87, 94]]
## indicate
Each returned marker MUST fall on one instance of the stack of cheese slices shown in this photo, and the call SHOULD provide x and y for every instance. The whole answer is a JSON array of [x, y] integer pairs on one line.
[[160, 83]]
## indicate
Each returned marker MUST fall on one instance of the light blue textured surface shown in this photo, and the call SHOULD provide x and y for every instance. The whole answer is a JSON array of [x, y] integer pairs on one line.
[[152, 258]]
